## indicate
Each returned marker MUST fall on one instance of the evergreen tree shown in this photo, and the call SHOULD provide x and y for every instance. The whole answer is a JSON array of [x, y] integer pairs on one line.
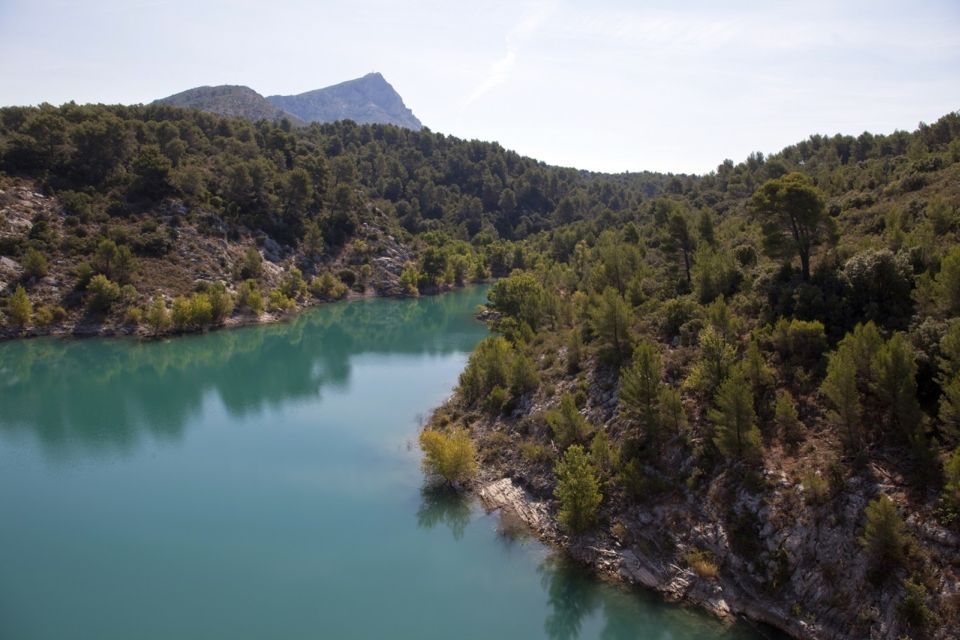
[[611, 320], [577, 490], [567, 424], [157, 316], [640, 387], [734, 420], [884, 536], [840, 386], [794, 218]]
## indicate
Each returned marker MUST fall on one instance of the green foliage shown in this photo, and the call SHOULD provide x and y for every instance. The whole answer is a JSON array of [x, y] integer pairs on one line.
[[673, 415], [192, 313], [951, 481], [252, 265], [19, 308], [603, 454], [34, 264], [577, 490], [157, 316], [102, 293], [611, 320], [409, 280], [793, 216], [640, 388], [567, 424], [489, 366], [293, 285], [249, 297], [736, 432], [948, 283], [896, 386], [519, 296], [884, 538], [327, 286], [574, 352], [879, 285], [115, 262], [786, 418], [714, 274], [800, 343], [221, 302], [523, 375], [279, 302], [450, 456], [913, 609], [49, 314], [716, 360]]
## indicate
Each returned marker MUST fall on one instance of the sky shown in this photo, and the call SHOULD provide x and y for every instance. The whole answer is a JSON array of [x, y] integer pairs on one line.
[[608, 85]]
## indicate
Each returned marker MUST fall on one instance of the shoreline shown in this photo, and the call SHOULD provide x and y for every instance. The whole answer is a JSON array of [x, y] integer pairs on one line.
[[608, 559], [80, 331]]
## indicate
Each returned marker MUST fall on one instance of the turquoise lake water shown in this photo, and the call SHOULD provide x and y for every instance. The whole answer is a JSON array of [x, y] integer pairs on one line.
[[265, 483]]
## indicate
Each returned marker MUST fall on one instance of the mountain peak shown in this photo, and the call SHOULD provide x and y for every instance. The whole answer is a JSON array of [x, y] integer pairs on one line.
[[366, 100]]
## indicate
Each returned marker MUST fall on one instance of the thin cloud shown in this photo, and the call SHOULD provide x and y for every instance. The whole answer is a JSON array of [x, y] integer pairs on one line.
[[520, 34]]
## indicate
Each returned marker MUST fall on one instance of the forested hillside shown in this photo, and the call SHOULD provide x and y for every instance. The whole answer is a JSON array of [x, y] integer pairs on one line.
[[751, 376]]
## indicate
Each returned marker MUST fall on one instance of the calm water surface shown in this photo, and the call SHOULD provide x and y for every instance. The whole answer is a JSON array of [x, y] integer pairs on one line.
[[263, 483]]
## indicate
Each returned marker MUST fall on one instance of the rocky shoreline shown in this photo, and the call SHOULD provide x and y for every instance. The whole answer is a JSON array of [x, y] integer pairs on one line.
[[776, 556]]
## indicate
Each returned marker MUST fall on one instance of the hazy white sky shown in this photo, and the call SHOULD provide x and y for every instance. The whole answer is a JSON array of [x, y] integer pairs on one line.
[[605, 85]]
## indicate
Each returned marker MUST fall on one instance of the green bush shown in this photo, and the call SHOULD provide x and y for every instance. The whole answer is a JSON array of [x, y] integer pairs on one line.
[[577, 490], [278, 302], [450, 456], [34, 264], [102, 293]]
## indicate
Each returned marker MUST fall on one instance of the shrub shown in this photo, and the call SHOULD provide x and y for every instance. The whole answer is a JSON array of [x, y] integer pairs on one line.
[[450, 456], [102, 293], [49, 314], [567, 424], [293, 285], [523, 375], [194, 312], [702, 563], [19, 308], [816, 488], [249, 297], [157, 316], [800, 343], [34, 264], [221, 302], [328, 287], [278, 302], [913, 608], [252, 264]]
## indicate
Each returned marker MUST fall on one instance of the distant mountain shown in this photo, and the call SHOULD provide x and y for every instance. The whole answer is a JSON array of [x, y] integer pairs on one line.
[[366, 100], [229, 100]]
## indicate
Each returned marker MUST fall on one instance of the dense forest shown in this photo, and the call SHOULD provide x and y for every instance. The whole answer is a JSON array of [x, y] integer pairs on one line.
[[782, 332]]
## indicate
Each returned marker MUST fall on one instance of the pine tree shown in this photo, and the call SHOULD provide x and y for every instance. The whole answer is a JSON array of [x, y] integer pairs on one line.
[[567, 424], [611, 321], [578, 490], [896, 386], [640, 386], [673, 415], [840, 386], [737, 435], [884, 536]]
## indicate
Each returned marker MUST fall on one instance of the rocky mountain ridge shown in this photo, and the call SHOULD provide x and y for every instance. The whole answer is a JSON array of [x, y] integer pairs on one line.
[[367, 100]]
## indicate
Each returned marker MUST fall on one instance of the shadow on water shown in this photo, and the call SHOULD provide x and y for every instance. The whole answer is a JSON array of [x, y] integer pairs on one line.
[[441, 504], [99, 393]]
